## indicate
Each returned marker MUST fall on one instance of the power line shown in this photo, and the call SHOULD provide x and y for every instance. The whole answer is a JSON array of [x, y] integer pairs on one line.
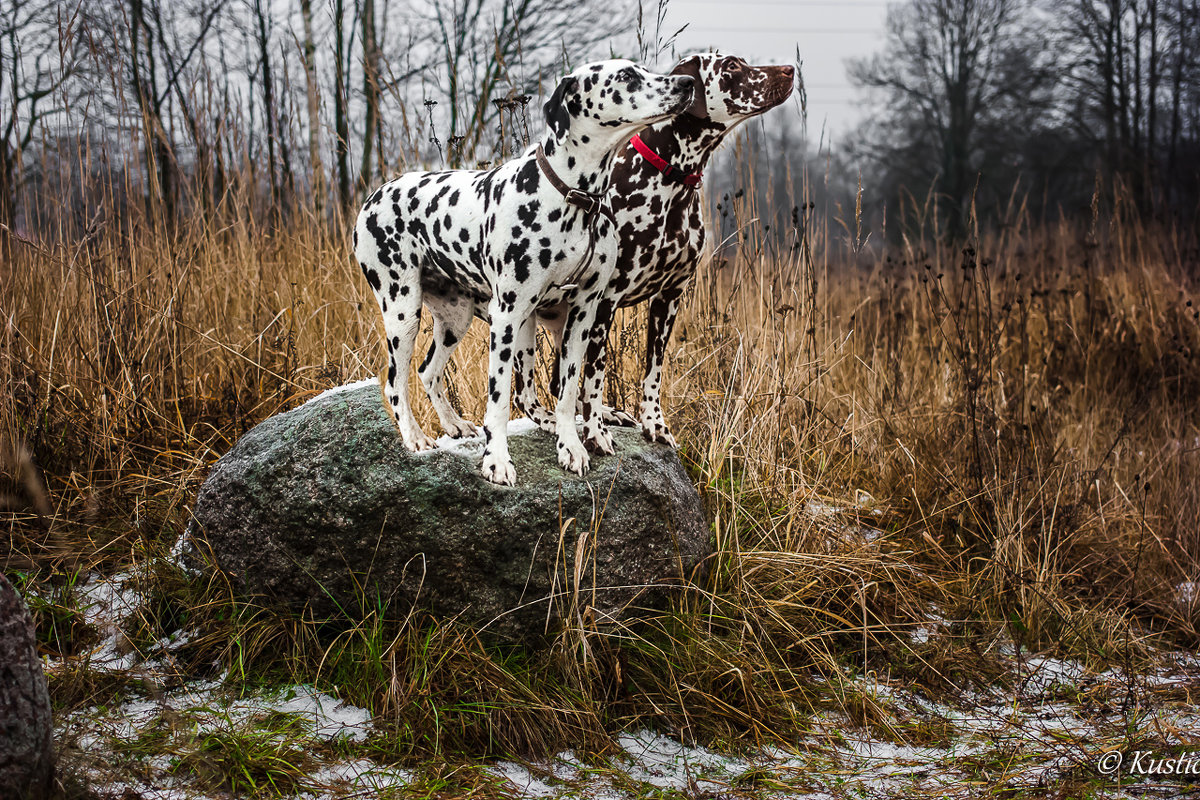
[[795, 3], [763, 29]]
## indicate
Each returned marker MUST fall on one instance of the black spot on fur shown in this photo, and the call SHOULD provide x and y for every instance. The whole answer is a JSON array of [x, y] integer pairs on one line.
[[372, 277], [527, 178]]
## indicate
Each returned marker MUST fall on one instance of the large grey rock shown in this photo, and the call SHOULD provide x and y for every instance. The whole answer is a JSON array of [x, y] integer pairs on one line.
[[26, 747], [323, 508]]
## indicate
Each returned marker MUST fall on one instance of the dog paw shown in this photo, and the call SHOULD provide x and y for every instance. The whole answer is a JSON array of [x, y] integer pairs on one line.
[[600, 442], [460, 429], [499, 470], [573, 457], [657, 431], [618, 418], [545, 421], [416, 440]]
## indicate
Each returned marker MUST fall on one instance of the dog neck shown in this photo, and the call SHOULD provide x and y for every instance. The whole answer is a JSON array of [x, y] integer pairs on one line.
[[685, 142], [575, 161]]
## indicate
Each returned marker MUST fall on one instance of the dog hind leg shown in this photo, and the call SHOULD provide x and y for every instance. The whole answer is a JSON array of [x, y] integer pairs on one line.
[[400, 324], [524, 365], [451, 319]]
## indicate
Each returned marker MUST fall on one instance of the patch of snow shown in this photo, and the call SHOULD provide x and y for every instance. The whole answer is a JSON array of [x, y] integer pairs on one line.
[[668, 764], [1054, 731], [106, 604], [330, 718], [362, 776], [179, 550], [472, 446], [922, 634], [122, 790], [345, 387], [895, 759], [1185, 593], [819, 509], [566, 766], [935, 623], [525, 782], [1042, 672]]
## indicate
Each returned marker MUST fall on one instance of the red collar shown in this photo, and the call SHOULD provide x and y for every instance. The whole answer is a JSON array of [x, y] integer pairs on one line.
[[661, 164]]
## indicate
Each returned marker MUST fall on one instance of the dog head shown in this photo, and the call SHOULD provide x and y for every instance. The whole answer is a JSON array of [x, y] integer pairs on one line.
[[730, 91], [608, 101]]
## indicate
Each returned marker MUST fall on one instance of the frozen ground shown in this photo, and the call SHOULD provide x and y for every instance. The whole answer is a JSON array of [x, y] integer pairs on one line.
[[1048, 727]]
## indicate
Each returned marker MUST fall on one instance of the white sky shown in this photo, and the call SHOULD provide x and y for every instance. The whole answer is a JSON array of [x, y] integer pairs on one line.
[[826, 32]]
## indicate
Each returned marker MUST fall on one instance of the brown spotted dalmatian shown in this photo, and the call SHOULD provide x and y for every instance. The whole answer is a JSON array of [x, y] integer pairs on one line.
[[661, 233], [499, 243]]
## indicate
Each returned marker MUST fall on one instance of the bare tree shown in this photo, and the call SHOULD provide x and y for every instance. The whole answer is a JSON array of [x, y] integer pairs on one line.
[[486, 44], [37, 56], [371, 93], [312, 92], [1122, 51], [159, 51], [951, 73], [341, 119], [262, 30], [206, 85]]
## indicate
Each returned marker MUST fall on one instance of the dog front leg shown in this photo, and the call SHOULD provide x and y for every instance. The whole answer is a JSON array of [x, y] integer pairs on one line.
[[595, 434], [577, 334]]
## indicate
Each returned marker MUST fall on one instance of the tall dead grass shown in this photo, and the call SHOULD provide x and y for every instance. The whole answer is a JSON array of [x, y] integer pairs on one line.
[[1001, 436]]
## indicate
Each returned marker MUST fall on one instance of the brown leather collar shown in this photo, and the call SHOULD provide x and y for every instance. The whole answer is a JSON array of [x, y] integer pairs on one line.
[[589, 202]]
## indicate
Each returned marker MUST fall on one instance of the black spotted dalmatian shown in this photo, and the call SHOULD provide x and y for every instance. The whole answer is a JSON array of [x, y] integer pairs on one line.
[[499, 243], [661, 232]]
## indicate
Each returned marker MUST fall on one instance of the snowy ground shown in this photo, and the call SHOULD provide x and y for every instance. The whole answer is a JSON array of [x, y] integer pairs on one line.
[[1049, 727]]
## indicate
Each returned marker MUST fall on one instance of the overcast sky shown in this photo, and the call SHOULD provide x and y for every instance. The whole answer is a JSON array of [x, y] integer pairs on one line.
[[826, 32]]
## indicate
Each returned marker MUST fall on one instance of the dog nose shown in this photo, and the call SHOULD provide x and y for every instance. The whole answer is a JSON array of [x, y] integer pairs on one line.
[[687, 82]]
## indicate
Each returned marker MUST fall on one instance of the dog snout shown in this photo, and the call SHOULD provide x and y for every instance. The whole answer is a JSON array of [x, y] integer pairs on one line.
[[686, 84], [686, 90]]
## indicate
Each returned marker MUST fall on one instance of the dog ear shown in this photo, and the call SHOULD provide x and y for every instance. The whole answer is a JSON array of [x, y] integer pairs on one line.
[[691, 66], [557, 115]]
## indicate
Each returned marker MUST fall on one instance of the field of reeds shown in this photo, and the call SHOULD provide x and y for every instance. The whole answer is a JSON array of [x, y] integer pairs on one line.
[[920, 458]]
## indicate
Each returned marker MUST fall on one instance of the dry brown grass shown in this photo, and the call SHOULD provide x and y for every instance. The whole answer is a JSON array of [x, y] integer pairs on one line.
[[1007, 433]]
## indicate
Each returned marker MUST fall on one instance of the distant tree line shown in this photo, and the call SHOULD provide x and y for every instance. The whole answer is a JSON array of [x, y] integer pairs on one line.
[[171, 108], [179, 107], [993, 104]]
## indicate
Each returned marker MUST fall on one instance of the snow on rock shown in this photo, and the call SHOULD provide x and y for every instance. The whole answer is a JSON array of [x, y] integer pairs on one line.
[[345, 387], [472, 446], [467, 446]]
